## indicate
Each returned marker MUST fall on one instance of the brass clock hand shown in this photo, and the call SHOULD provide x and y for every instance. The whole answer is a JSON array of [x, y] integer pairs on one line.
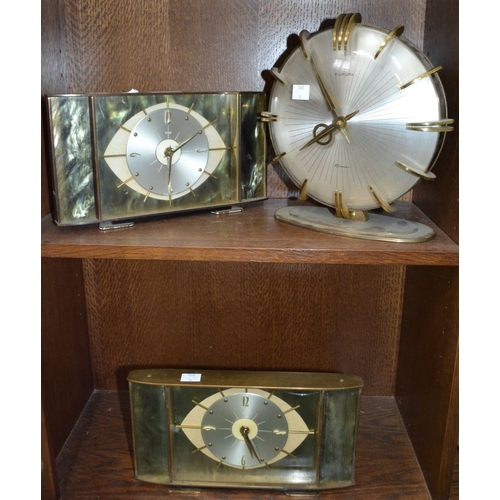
[[339, 124], [244, 432], [169, 153], [326, 95], [185, 141]]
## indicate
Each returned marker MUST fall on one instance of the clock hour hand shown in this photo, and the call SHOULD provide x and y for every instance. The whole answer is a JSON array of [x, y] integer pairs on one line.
[[244, 432], [168, 155]]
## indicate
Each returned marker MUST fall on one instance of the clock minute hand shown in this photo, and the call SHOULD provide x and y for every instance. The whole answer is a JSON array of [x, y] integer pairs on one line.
[[185, 141], [244, 432], [326, 95]]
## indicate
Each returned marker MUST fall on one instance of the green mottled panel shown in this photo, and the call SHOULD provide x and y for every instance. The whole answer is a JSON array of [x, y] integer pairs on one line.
[[149, 422], [72, 159], [339, 437]]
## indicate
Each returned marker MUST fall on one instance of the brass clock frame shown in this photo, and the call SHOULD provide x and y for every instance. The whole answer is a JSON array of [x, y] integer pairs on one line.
[[202, 429], [126, 156]]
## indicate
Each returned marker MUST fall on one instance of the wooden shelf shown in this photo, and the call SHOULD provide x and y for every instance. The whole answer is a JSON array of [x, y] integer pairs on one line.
[[97, 462], [252, 235]]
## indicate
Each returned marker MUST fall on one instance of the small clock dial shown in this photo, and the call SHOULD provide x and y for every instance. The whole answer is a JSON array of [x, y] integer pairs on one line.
[[166, 151], [369, 124], [245, 429]]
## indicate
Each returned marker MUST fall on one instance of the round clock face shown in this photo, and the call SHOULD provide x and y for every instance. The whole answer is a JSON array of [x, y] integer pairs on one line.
[[245, 429], [357, 111], [170, 151]]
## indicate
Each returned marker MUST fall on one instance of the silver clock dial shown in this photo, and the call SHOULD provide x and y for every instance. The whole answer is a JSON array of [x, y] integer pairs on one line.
[[158, 156], [369, 125], [166, 151], [245, 429]]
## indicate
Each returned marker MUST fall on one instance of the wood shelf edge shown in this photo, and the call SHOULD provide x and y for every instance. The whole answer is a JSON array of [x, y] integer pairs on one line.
[[251, 236]]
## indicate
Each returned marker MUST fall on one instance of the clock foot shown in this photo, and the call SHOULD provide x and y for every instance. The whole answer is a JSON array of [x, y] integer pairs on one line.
[[107, 225], [377, 227]]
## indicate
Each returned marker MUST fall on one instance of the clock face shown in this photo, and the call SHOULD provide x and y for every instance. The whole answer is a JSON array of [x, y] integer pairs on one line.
[[170, 151], [357, 111], [245, 429]]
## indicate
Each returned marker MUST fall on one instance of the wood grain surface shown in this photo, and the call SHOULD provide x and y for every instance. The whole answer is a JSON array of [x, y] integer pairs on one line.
[[243, 316]]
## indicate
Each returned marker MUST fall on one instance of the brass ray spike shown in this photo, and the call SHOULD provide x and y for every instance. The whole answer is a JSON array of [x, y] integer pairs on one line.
[[342, 30], [342, 210], [277, 76], [303, 36], [428, 176], [381, 201], [395, 33], [303, 190], [267, 117], [421, 77], [278, 158], [437, 126]]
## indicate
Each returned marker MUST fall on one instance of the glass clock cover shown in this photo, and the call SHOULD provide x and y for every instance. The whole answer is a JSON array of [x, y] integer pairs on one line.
[[225, 430]]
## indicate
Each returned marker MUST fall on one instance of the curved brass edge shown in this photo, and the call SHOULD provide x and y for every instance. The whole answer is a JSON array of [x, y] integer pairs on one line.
[[428, 176], [303, 36], [276, 75], [383, 203], [421, 77], [303, 190], [395, 33]]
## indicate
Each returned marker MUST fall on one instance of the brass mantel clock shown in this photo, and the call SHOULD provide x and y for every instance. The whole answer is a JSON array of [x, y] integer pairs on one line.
[[118, 157], [278, 430], [357, 116]]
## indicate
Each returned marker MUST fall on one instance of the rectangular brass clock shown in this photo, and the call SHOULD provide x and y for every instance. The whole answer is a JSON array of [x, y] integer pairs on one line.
[[116, 157], [273, 430]]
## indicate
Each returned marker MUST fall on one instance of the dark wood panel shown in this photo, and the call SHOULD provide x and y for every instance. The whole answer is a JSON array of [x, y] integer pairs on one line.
[[65, 355], [439, 199], [244, 316], [101, 443], [427, 377]]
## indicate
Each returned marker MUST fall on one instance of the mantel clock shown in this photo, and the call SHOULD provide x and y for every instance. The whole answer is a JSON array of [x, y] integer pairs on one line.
[[118, 157], [357, 117], [280, 430]]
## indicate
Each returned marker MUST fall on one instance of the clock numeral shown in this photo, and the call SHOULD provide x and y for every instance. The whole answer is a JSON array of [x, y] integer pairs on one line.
[[421, 77], [278, 158], [246, 401], [276, 75], [243, 461], [395, 33], [303, 190]]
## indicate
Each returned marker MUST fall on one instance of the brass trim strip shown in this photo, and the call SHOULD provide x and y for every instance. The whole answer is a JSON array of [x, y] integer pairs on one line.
[[395, 33], [421, 77], [428, 176]]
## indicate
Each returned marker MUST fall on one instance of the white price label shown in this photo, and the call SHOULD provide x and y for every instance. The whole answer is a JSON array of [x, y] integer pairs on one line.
[[191, 377], [300, 92]]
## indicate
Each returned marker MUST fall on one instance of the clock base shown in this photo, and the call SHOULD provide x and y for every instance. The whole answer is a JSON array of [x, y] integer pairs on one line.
[[377, 227]]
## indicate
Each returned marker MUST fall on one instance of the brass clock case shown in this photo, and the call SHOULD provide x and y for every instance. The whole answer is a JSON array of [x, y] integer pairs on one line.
[[279, 430], [116, 157]]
